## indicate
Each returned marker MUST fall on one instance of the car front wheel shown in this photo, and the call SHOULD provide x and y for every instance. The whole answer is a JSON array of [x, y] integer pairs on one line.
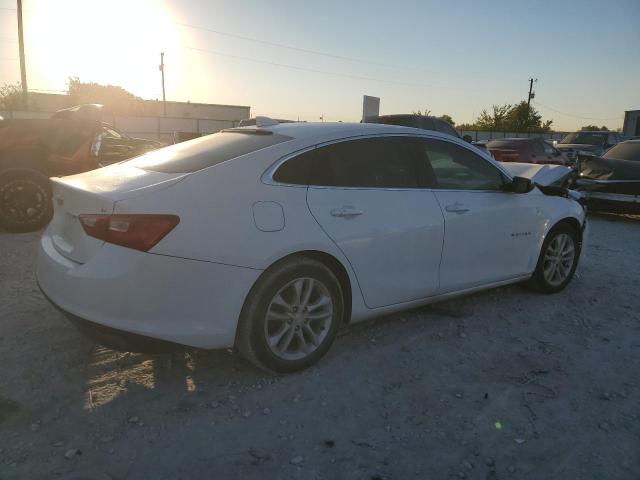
[[291, 317], [558, 260]]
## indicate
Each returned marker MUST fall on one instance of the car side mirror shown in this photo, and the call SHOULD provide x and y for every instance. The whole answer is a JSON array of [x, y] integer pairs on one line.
[[467, 138], [520, 185]]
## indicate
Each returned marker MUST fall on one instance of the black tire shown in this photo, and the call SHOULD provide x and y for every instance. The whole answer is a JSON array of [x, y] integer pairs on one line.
[[25, 200], [251, 336], [540, 281]]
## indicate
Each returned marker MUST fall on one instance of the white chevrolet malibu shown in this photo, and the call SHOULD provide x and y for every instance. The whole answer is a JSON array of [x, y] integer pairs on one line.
[[270, 238]]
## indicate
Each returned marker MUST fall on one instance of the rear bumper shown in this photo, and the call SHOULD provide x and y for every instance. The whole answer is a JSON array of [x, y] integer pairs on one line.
[[114, 338], [121, 291]]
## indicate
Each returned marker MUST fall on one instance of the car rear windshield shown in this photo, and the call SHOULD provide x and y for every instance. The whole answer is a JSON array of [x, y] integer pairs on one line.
[[206, 151], [506, 144], [625, 151], [585, 138]]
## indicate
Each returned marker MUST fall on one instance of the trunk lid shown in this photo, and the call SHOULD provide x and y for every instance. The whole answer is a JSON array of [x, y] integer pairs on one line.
[[96, 191]]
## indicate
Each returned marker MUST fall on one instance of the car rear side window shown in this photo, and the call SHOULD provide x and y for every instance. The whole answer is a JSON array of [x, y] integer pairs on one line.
[[207, 151], [384, 162], [296, 170], [457, 168]]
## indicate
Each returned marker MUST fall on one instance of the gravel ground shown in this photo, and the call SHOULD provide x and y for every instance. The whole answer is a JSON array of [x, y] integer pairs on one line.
[[505, 384]]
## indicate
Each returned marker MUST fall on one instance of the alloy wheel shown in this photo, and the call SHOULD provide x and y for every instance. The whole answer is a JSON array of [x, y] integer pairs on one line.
[[559, 259], [298, 318]]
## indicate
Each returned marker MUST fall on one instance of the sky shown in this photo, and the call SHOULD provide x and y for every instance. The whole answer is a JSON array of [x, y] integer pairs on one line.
[[306, 60]]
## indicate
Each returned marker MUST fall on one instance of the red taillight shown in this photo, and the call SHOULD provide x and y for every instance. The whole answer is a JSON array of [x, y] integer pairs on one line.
[[506, 157], [140, 232]]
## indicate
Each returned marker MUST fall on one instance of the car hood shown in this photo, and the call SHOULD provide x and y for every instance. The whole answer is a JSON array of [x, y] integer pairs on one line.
[[541, 174], [577, 146]]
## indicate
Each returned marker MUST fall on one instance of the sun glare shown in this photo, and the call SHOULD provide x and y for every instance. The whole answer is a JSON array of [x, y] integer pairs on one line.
[[117, 42]]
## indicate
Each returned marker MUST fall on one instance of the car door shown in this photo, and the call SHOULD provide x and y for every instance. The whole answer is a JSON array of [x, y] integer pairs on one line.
[[365, 195], [538, 154], [490, 234], [553, 155]]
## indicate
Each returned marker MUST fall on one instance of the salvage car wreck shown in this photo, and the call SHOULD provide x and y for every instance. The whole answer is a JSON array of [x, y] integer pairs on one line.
[[72, 141], [611, 182]]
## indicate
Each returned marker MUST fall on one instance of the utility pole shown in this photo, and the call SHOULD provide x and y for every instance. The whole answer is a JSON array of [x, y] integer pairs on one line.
[[164, 99], [532, 94], [23, 68]]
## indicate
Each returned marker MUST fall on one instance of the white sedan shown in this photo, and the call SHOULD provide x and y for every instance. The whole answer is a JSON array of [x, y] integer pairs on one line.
[[269, 238]]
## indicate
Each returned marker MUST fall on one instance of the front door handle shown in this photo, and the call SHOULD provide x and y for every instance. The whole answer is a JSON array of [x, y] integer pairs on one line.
[[346, 212], [456, 208]]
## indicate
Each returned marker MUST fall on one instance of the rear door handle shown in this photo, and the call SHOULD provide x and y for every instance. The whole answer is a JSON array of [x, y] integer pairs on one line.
[[456, 208], [346, 212]]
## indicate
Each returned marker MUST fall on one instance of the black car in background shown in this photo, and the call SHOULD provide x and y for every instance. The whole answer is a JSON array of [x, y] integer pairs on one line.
[[416, 121], [117, 146], [594, 142], [611, 182]]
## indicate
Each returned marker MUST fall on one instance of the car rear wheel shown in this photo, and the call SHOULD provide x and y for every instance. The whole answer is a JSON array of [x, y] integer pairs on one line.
[[25, 200], [558, 260], [291, 317]]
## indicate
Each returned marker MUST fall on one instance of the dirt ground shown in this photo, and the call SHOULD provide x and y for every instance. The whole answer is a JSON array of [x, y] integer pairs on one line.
[[505, 384]]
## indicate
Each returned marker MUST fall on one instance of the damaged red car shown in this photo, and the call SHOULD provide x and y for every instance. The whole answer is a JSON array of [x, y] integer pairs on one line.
[[32, 150]]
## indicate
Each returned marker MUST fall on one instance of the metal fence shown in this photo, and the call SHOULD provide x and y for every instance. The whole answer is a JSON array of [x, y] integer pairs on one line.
[[154, 128], [488, 135]]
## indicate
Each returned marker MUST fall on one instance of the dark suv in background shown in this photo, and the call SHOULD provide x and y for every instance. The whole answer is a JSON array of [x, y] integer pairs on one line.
[[594, 142], [416, 121]]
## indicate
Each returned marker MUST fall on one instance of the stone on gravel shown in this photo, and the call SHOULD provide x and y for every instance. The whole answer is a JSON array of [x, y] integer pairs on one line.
[[72, 452], [297, 460], [604, 426]]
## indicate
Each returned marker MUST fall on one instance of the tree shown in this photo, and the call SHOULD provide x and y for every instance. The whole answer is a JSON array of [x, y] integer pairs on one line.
[[523, 118], [594, 127], [116, 100], [494, 120], [512, 118], [11, 97], [447, 118], [420, 113]]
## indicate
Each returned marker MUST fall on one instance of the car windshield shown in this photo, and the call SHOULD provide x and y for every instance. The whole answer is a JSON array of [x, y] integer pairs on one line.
[[111, 133], [625, 151], [206, 151], [585, 138]]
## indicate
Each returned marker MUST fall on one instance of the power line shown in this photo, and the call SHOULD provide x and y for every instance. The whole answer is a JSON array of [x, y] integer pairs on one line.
[[289, 47], [573, 115], [323, 72]]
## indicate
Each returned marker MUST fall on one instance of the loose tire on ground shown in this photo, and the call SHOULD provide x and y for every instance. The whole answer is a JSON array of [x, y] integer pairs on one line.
[[291, 301], [25, 200], [556, 264]]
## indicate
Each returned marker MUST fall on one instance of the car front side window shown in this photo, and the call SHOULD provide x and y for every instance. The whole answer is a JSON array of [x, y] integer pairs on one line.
[[457, 168]]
